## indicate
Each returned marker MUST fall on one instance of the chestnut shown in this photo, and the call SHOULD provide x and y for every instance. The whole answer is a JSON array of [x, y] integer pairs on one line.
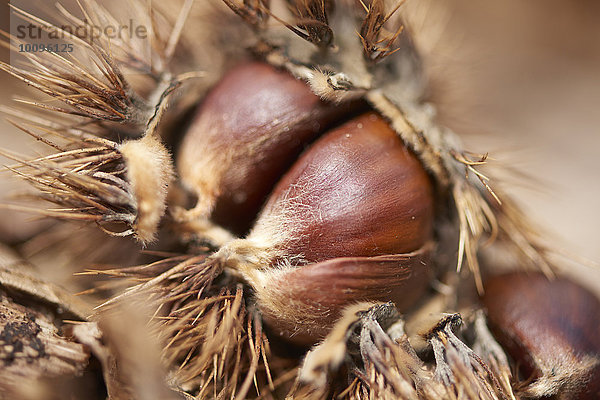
[[551, 329], [360, 192], [248, 130], [349, 222]]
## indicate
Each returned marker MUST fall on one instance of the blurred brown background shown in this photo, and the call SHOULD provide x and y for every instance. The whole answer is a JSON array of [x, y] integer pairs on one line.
[[520, 79]]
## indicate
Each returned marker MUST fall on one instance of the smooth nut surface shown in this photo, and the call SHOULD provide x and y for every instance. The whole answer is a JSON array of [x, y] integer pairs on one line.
[[248, 130], [305, 303], [359, 192], [548, 327], [348, 223]]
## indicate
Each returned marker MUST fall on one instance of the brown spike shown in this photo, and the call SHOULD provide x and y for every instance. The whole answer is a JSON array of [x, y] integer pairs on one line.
[[85, 183], [207, 329], [377, 42], [254, 12], [311, 23]]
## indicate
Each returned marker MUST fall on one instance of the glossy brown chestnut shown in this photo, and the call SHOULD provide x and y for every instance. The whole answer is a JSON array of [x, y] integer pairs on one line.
[[551, 329], [360, 193], [249, 129], [348, 223]]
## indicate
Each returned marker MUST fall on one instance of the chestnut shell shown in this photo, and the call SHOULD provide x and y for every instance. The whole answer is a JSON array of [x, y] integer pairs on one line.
[[544, 324], [349, 222], [359, 192], [251, 126], [316, 294]]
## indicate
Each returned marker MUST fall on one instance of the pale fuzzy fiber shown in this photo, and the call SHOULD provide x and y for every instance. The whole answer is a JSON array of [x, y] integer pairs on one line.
[[149, 171]]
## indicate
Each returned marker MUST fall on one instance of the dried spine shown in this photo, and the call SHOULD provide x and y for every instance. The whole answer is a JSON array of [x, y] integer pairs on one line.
[[99, 178]]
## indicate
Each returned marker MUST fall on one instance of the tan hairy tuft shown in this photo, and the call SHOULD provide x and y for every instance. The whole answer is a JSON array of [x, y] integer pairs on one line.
[[149, 171]]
